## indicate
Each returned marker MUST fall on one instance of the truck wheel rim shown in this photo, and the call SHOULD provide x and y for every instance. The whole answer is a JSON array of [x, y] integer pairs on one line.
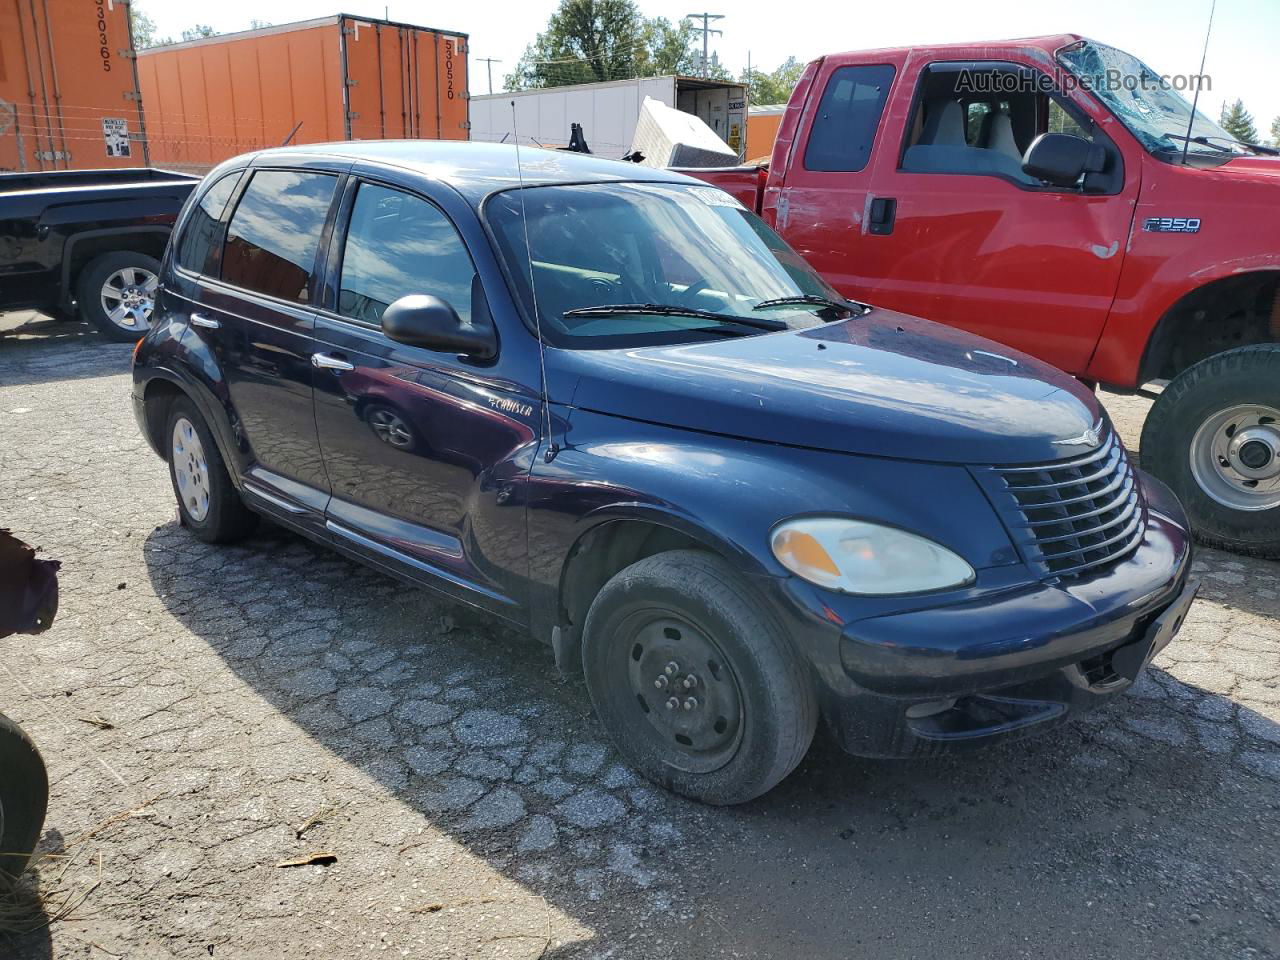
[[128, 297], [191, 469], [1235, 457], [685, 698], [391, 429]]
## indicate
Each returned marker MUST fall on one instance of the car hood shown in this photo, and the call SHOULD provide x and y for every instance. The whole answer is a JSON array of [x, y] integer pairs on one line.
[[884, 384]]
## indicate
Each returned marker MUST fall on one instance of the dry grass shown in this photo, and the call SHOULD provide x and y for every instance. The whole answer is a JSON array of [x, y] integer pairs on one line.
[[44, 894]]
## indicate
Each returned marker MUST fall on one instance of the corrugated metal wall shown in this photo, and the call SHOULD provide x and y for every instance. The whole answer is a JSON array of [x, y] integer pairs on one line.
[[212, 99], [68, 91]]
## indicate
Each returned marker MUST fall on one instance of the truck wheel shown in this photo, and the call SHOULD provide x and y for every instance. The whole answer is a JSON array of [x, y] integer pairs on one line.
[[117, 293], [208, 503], [693, 680], [1214, 437], [24, 796]]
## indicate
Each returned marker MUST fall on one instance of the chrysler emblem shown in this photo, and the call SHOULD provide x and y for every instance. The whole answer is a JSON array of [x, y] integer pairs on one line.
[[1089, 438]]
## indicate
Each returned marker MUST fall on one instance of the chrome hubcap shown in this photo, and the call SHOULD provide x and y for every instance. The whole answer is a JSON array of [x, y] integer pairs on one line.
[[190, 469], [128, 297], [1235, 457]]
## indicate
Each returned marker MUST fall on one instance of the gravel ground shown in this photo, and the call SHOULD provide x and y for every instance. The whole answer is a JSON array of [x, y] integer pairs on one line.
[[271, 701]]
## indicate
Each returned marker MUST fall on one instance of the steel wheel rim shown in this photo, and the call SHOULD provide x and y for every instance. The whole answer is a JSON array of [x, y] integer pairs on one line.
[[685, 699], [128, 298], [190, 469], [391, 429], [1235, 457]]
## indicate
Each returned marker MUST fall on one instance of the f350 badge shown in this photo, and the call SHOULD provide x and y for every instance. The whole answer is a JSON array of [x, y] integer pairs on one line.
[[1171, 225]]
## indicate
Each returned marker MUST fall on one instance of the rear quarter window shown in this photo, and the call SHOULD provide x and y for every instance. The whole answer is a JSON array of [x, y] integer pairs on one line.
[[200, 243], [275, 232], [844, 125]]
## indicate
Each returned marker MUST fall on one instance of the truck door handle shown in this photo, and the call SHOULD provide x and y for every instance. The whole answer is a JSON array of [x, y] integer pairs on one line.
[[881, 216], [200, 320], [323, 361]]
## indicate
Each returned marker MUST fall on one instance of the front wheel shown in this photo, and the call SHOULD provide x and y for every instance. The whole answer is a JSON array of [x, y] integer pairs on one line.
[[24, 796], [117, 294], [694, 681], [1214, 437]]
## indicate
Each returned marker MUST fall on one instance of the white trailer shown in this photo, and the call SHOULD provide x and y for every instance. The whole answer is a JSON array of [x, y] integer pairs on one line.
[[608, 112]]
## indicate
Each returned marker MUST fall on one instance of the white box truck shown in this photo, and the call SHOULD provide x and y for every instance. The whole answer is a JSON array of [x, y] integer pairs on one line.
[[608, 112]]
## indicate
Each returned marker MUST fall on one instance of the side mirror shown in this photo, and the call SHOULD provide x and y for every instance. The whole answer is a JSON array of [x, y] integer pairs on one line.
[[1062, 158], [430, 323]]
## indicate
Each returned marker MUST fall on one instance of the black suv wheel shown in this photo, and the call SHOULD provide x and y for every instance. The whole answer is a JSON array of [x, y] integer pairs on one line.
[[694, 681]]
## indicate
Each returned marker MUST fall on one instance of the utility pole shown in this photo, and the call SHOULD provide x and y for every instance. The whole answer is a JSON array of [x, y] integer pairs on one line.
[[488, 64], [706, 19]]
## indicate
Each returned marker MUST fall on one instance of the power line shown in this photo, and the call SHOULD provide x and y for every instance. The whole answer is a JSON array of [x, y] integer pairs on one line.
[[706, 19], [488, 64]]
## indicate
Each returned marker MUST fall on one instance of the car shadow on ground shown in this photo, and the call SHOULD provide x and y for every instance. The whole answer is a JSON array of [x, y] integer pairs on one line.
[[45, 350], [1084, 836]]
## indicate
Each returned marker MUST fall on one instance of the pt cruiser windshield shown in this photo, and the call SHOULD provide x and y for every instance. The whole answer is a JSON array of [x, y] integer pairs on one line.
[[622, 264]]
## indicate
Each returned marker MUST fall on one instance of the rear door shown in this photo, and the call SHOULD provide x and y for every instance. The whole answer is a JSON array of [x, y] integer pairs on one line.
[[253, 305], [423, 449]]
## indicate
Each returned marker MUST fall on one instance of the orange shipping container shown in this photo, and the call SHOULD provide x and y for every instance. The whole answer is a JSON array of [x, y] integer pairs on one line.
[[68, 86], [335, 78]]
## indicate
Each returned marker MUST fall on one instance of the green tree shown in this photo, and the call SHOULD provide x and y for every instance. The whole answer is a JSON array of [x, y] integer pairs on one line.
[[144, 29], [592, 40], [1275, 132], [773, 87], [199, 32], [1238, 122]]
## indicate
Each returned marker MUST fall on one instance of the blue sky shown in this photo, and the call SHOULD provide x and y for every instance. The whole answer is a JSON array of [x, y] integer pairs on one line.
[[1166, 34]]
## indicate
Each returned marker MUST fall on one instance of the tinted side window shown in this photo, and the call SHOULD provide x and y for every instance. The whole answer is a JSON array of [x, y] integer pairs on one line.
[[273, 235], [198, 248], [399, 244], [844, 127]]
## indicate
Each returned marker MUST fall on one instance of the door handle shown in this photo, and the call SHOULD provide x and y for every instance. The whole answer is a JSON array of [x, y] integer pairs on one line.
[[882, 214], [200, 320], [323, 361]]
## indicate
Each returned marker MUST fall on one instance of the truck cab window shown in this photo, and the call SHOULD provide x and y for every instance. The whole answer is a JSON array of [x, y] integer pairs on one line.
[[979, 119], [844, 127]]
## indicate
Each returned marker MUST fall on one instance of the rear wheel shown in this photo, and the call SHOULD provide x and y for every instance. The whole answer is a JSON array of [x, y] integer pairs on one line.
[[208, 503], [1214, 437], [24, 796], [694, 681], [117, 293]]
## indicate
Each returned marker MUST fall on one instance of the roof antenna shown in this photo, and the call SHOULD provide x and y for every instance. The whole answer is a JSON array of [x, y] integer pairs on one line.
[[552, 448], [1191, 120]]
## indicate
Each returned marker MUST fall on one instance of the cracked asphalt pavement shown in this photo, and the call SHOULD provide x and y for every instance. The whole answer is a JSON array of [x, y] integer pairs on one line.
[[208, 713]]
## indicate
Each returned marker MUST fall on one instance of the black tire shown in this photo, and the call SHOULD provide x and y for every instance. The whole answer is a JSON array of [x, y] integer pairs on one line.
[[701, 599], [1244, 376], [89, 293], [224, 518], [24, 797]]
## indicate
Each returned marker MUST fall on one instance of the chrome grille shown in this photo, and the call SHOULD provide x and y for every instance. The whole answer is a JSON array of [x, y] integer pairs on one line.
[[1071, 516]]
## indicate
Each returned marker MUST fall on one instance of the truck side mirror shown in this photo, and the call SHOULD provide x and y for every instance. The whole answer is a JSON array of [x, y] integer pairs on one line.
[[1062, 158], [431, 323]]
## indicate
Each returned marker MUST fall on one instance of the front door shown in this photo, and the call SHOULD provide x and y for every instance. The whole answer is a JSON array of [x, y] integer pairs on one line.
[[424, 450]]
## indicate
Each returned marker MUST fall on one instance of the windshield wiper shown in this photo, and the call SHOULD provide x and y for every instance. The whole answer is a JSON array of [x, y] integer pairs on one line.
[[809, 299], [672, 310], [1202, 141], [1257, 148]]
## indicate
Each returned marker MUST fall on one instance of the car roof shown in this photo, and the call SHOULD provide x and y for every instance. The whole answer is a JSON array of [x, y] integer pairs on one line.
[[1047, 44], [476, 170]]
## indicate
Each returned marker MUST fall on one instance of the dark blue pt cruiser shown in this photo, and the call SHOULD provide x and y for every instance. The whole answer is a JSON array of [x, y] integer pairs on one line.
[[739, 501]]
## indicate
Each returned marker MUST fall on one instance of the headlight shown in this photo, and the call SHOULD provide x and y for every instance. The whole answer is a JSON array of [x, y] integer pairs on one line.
[[853, 556]]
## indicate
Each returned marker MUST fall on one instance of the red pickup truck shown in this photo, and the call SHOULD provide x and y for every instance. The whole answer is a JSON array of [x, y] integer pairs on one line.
[[1055, 194]]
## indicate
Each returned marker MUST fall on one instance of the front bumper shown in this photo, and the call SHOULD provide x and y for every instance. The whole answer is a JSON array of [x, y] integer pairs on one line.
[[1006, 664]]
